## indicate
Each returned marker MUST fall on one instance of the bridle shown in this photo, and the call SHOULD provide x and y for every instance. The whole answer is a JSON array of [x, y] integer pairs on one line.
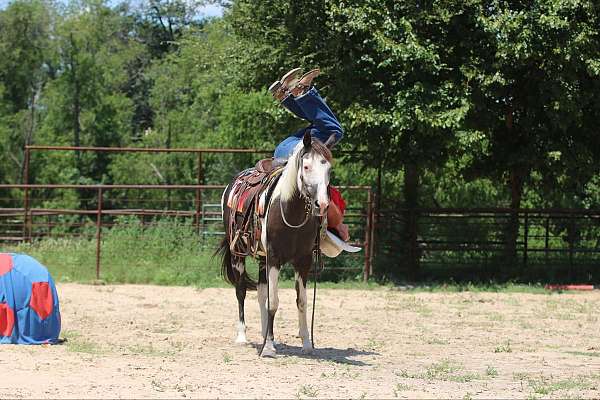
[[309, 203]]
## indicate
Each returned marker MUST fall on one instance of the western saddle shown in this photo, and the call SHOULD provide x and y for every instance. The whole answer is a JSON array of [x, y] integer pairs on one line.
[[247, 202]]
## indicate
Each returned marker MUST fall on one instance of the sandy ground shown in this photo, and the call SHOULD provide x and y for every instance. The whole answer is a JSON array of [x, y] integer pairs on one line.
[[166, 342]]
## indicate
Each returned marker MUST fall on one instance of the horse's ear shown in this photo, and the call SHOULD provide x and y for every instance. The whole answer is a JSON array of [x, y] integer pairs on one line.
[[307, 140], [330, 141]]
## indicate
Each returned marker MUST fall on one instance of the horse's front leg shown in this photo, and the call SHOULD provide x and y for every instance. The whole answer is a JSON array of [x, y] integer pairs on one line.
[[301, 303], [268, 316]]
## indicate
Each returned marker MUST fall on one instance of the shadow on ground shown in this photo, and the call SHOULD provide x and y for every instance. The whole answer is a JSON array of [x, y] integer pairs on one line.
[[338, 356]]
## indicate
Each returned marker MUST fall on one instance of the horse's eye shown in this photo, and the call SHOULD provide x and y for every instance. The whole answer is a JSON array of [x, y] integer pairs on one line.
[[323, 161]]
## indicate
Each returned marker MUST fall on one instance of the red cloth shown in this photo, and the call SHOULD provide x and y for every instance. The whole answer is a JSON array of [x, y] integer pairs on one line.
[[336, 198]]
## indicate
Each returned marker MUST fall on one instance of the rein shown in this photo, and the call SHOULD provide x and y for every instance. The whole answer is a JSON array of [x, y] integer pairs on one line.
[[308, 203], [308, 208], [318, 263]]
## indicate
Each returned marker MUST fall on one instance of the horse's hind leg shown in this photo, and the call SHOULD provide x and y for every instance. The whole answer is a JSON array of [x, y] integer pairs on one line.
[[301, 303], [268, 316], [239, 265]]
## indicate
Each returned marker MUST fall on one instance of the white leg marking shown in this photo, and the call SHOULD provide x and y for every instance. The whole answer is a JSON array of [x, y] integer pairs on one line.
[[273, 281], [269, 349], [302, 324], [241, 333], [262, 303]]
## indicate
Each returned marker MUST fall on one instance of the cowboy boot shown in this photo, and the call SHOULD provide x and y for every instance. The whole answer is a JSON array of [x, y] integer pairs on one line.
[[290, 78], [304, 83], [280, 89]]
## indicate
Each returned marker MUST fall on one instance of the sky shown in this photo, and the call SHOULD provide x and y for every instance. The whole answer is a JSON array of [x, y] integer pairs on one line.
[[210, 10]]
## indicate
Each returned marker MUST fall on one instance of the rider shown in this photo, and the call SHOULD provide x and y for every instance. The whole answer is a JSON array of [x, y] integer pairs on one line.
[[302, 99]]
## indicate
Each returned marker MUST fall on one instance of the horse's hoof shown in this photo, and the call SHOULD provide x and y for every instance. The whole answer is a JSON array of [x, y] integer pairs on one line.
[[268, 351], [307, 350], [241, 340]]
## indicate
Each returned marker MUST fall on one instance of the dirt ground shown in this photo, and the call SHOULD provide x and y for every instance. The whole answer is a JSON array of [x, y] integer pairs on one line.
[[132, 341]]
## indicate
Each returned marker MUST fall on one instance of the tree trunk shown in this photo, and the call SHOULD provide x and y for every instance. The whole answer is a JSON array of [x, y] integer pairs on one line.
[[512, 228], [411, 196], [517, 174], [29, 135], [76, 104]]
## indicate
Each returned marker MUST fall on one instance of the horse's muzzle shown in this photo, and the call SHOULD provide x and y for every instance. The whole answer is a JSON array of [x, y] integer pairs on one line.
[[322, 207]]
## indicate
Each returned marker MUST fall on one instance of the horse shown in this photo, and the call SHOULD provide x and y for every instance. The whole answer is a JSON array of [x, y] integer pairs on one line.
[[291, 223]]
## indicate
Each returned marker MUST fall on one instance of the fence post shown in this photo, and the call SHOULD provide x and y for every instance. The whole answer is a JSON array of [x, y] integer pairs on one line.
[[199, 193], [571, 238], [547, 239], [26, 212], [373, 230], [98, 233], [367, 245], [526, 234]]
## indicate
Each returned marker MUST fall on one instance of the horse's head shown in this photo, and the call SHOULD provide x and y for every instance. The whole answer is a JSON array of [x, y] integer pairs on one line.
[[314, 167]]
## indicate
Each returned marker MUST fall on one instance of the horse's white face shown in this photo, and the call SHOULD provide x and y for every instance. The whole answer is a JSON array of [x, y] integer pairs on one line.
[[313, 179]]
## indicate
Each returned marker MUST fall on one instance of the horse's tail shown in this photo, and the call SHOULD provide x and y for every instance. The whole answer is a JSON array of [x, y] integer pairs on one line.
[[227, 267]]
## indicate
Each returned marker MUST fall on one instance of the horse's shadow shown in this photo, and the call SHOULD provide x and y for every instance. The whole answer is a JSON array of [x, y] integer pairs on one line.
[[338, 356]]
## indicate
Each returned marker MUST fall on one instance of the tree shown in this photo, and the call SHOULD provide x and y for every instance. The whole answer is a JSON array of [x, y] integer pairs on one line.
[[88, 97], [25, 64], [532, 86]]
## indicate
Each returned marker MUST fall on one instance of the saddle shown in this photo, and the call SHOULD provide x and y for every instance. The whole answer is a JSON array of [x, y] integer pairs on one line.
[[247, 205]]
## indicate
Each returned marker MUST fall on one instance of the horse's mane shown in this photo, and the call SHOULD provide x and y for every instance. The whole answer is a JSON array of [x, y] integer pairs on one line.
[[288, 183]]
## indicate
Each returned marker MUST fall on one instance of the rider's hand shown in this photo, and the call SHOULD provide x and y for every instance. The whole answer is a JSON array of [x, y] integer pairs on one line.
[[343, 230]]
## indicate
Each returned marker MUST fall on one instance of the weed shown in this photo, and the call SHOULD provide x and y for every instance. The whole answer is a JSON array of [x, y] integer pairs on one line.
[[503, 348], [227, 358], [400, 387], [308, 391], [491, 371], [585, 353], [373, 344], [437, 340], [77, 344]]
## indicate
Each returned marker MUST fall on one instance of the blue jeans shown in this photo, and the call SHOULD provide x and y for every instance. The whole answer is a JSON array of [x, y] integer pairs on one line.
[[311, 107]]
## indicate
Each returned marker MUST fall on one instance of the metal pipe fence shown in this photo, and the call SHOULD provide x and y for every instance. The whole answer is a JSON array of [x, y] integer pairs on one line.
[[91, 215], [452, 238]]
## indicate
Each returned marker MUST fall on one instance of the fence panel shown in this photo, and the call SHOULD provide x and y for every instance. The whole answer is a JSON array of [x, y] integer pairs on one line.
[[159, 219]]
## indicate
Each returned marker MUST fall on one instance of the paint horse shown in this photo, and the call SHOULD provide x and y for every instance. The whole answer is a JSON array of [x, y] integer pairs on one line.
[[290, 226]]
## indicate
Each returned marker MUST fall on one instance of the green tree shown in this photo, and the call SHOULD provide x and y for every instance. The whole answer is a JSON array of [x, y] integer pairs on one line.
[[87, 103], [532, 86], [25, 64]]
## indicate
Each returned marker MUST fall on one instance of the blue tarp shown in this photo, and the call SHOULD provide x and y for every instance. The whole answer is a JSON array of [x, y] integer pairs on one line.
[[29, 309]]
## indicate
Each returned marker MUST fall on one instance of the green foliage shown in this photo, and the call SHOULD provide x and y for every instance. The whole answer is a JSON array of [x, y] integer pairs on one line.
[[482, 103], [167, 252]]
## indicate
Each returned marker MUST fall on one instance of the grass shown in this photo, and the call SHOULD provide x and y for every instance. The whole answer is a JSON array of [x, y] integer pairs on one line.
[[544, 385], [584, 353], [77, 344], [307, 391], [503, 348], [491, 371], [400, 387], [444, 370], [170, 252]]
